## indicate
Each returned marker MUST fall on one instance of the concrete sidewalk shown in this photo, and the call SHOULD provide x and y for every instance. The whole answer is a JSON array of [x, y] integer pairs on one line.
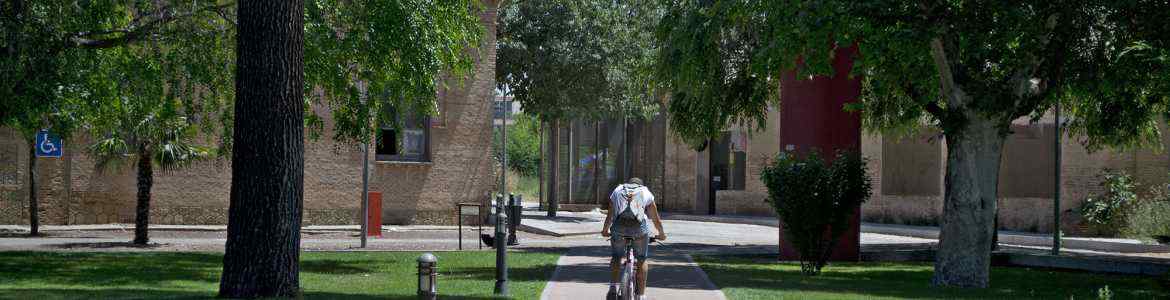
[[584, 274]]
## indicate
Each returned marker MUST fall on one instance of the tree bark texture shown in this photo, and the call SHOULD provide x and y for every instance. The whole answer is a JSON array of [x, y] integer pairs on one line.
[[972, 172], [145, 182], [262, 254], [34, 219]]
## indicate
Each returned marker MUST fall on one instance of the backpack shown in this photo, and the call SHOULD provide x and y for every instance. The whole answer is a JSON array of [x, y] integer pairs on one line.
[[627, 217]]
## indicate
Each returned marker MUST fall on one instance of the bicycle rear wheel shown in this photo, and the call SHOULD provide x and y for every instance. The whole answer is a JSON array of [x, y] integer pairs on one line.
[[627, 287]]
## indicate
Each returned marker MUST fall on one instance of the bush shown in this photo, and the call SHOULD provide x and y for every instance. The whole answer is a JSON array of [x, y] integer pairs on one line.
[[1149, 218], [523, 145], [815, 200], [1105, 213]]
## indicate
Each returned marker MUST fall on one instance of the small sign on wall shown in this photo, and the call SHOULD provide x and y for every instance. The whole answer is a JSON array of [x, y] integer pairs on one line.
[[48, 145]]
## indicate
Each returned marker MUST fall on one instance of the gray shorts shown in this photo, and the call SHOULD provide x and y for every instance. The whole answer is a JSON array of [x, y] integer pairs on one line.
[[618, 248]]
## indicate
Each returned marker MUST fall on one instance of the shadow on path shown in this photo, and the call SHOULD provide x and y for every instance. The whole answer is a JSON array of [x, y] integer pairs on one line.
[[584, 273]]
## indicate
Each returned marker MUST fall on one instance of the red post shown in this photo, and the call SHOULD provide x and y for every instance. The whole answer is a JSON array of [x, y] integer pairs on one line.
[[375, 217], [812, 118]]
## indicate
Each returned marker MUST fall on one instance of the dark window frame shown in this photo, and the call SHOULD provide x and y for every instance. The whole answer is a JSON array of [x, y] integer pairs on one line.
[[424, 157]]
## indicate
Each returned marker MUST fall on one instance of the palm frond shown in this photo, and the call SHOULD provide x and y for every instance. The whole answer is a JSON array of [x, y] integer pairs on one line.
[[109, 153]]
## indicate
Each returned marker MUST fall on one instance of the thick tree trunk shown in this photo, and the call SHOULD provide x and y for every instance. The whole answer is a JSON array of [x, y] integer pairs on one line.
[[973, 161], [145, 182], [262, 254], [34, 219]]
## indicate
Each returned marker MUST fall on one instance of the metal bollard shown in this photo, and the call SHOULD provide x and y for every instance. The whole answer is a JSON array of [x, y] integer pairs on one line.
[[427, 275], [513, 218]]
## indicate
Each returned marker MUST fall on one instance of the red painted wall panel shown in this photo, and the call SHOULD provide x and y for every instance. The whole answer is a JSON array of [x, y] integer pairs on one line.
[[812, 117]]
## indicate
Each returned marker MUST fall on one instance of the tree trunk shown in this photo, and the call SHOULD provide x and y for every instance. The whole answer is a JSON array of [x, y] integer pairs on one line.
[[34, 219], [540, 169], [554, 167], [145, 182], [262, 253], [973, 161], [596, 163]]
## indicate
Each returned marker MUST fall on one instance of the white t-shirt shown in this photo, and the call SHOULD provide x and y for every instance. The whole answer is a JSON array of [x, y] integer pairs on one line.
[[641, 200]]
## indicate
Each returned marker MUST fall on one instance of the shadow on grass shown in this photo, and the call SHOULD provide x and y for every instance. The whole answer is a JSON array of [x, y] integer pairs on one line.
[[391, 297], [337, 267], [112, 293], [106, 245], [65, 293], [109, 269], [764, 275], [150, 275]]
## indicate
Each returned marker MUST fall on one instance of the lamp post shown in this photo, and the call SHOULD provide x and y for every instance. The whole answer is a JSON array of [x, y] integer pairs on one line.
[[501, 238], [1056, 191], [365, 176], [426, 276], [501, 243]]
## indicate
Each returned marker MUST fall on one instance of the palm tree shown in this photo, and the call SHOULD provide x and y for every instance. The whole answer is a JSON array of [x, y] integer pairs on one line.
[[152, 132]]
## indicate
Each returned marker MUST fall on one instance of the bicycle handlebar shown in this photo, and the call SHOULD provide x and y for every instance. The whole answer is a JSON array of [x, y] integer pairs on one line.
[[652, 239]]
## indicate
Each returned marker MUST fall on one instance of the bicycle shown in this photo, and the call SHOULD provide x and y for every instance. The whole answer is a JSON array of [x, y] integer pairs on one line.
[[627, 289]]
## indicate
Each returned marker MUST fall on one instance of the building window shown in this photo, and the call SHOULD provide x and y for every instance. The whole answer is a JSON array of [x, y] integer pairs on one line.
[[410, 141]]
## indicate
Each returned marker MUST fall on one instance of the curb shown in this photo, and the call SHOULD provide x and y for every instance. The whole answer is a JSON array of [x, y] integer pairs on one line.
[[1022, 239], [541, 231], [1009, 238], [1014, 259]]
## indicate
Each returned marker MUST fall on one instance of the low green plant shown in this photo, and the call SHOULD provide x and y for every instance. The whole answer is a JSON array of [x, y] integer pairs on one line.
[[523, 145], [1149, 217], [1105, 213], [1104, 293], [815, 200]]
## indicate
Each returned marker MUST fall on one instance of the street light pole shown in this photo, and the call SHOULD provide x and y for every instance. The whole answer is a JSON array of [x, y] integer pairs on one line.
[[504, 149], [1056, 191], [365, 192], [501, 238], [365, 177]]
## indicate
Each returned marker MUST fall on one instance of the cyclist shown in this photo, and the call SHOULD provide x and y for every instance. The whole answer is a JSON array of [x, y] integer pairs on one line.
[[630, 212]]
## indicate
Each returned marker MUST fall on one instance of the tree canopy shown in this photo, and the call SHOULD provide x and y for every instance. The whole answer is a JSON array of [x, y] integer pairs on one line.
[[578, 59], [968, 68], [398, 50], [1106, 59], [58, 53]]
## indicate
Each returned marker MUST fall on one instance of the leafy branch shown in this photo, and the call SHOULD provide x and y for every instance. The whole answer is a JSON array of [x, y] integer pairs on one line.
[[142, 27]]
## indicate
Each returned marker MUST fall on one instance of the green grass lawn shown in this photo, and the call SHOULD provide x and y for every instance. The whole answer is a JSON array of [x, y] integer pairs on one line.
[[324, 275], [747, 277]]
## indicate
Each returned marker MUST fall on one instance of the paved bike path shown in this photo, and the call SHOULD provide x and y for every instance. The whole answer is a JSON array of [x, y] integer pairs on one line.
[[584, 274]]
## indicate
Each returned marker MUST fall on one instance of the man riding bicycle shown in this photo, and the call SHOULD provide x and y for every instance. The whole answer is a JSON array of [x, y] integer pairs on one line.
[[631, 208]]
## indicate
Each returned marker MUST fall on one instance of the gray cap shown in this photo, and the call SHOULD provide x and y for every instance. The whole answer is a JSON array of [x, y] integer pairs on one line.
[[636, 180], [427, 258]]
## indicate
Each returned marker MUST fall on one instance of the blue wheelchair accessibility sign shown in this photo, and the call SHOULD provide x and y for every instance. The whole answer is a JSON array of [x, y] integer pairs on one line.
[[48, 145]]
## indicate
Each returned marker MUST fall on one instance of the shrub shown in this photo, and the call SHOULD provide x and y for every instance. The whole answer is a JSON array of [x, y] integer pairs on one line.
[[1105, 213], [815, 200], [1149, 218], [523, 145]]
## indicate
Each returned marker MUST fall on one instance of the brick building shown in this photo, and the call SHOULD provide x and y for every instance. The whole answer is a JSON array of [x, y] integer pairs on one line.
[[442, 161], [907, 172]]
